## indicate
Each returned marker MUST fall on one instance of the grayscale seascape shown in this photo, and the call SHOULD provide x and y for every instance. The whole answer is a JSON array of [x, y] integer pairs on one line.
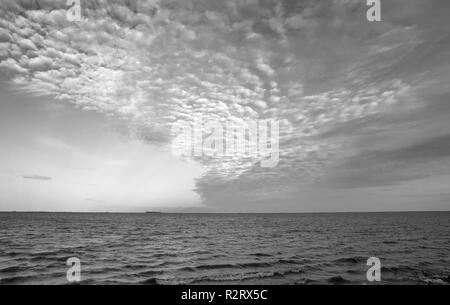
[[173, 142], [225, 248]]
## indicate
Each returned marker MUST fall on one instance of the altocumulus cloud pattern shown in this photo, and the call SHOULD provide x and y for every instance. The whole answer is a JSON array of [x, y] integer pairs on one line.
[[334, 81]]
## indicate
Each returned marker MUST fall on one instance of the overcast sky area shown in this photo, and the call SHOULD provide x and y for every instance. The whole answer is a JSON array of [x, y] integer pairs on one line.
[[86, 107]]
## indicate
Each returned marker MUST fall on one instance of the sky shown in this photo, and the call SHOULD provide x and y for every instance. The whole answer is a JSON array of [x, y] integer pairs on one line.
[[87, 106]]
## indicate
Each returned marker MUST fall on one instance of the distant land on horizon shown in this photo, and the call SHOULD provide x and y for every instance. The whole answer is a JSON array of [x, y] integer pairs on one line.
[[181, 212]]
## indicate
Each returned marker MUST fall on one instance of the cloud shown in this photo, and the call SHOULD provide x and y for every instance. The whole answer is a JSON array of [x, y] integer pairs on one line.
[[94, 200], [431, 149], [318, 67], [37, 177]]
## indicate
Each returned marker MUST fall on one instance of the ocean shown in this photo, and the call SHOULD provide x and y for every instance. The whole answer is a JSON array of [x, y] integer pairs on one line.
[[158, 249]]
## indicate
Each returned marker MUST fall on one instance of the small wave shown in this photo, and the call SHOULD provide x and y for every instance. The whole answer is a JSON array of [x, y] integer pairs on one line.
[[51, 253], [425, 263], [303, 282], [436, 281], [214, 266], [15, 253], [219, 278], [351, 271], [199, 252], [150, 281], [243, 276], [14, 269], [149, 273], [288, 261], [288, 272], [397, 269], [87, 282], [226, 266], [351, 260], [157, 255], [53, 258], [233, 277], [256, 265], [17, 279], [190, 269], [338, 280], [134, 267], [261, 254], [103, 270], [240, 265]]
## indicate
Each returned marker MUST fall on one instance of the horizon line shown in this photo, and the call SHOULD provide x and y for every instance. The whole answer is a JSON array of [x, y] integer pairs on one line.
[[160, 212]]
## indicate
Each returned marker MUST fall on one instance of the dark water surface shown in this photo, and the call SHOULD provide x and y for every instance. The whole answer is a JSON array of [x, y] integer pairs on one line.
[[414, 248]]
